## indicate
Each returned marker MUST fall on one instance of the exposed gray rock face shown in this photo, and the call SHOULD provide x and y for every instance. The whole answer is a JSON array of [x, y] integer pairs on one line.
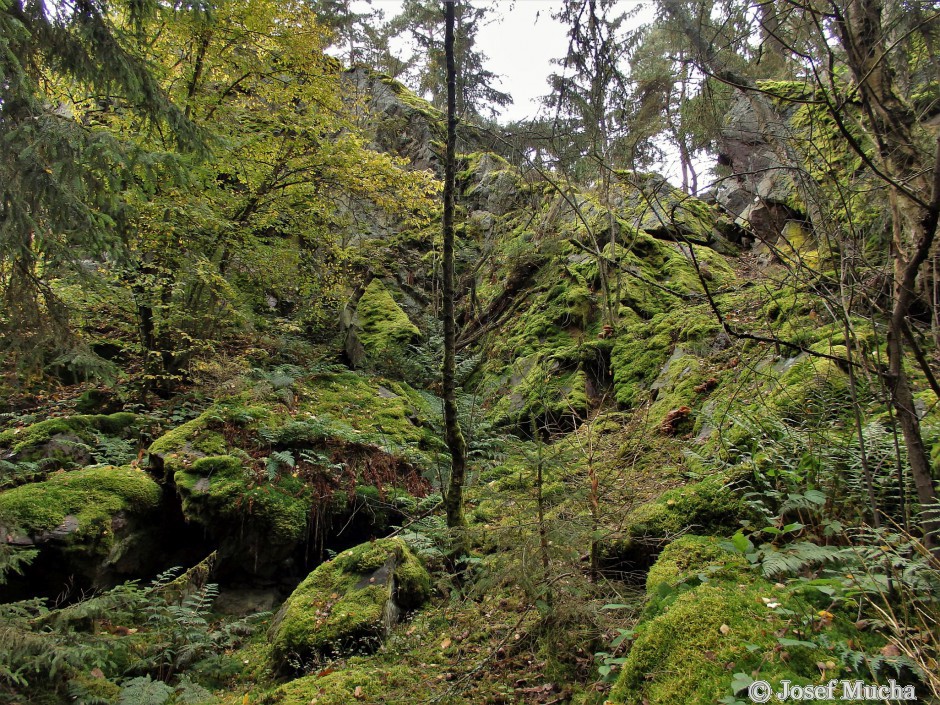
[[760, 187], [401, 123]]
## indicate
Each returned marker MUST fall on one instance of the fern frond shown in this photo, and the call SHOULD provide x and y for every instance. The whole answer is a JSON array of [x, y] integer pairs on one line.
[[795, 558]]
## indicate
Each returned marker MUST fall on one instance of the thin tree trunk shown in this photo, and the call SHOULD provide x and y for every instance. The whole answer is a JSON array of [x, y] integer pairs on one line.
[[453, 501]]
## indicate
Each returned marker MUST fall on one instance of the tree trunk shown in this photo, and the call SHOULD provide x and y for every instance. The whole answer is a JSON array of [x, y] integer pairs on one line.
[[914, 192], [453, 501]]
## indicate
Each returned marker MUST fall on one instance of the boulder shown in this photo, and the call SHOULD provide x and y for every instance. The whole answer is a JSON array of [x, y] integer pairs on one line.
[[31, 452], [377, 330], [348, 604], [97, 520], [263, 478]]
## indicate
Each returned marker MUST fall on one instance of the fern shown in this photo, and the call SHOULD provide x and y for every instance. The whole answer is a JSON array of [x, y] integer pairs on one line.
[[188, 692], [795, 558], [427, 538], [13, 559], [276, 461], [109, 450], [145, 691]]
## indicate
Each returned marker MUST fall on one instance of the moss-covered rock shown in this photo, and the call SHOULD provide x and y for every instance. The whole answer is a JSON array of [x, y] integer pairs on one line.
[[812, 389], [668, 350], [93, 515], [710, 505], [348, 442], [380, 329], [710, 617], [352, 685], [348, 604], [219, 492], [31, 452]]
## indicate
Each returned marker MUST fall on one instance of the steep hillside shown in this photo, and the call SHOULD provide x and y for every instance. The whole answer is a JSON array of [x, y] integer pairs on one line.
[[667, 496]]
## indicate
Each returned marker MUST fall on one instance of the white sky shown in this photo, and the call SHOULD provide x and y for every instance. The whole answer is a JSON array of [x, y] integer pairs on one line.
[[521, 39], [520, 46]]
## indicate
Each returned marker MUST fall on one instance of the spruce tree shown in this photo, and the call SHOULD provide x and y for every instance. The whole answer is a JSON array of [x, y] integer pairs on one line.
[[61, 178]]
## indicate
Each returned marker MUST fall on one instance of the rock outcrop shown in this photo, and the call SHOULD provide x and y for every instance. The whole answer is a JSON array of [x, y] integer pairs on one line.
[[284, 472]]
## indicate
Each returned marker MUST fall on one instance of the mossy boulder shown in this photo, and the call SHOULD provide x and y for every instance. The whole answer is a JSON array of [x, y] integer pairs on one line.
[[812, 390], [220, 493], [98, 517], [489, 183], [710, 617], [31, 452], [348, 604], [710, 505], [400, 122], [692, 560], [346, 443]]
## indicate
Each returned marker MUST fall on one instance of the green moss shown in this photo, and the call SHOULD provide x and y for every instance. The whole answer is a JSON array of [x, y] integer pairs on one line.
[[689, 561], [360, 683], [341, 606], [211, 443], [93, 496], [99, 690], [369, 424], [112, 423], [386, 328], [641, 351], [219, 464], [546, 391], [688, 556], [682, 654], [710, 616], [709, 505], [20, 440], [176, 439], [813, 390], [395, 418], [217, 490]]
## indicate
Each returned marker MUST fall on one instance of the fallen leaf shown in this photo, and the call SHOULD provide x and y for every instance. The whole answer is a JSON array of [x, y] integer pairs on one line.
[[445, 644], [890, 651]]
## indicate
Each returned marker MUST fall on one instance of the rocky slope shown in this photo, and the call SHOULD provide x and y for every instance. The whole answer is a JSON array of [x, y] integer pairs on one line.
[[615, 423]]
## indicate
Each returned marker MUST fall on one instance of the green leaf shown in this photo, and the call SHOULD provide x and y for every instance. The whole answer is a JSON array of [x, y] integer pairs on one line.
[[784, 641], [622, 637], [815, 496], [740, 682], [741, 543]]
